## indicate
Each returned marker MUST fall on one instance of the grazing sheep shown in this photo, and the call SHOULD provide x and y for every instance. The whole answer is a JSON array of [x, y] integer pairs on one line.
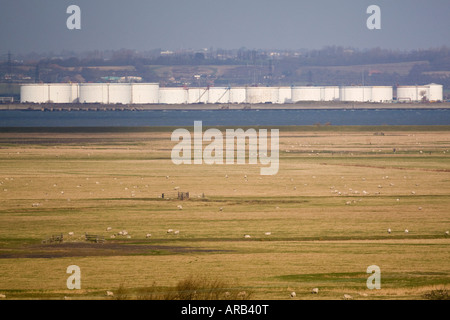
[[247, 236], [176, 232], [220, 209], [406, 230], [293, 294], [446, 233], [315, 290], [108, 229], [113, 236], [389, 230], [70, 233], [268, 233], [347, 297], [2, 296], [170, 231], [180, 207], [148, 235], [120, 233], [109, 293]]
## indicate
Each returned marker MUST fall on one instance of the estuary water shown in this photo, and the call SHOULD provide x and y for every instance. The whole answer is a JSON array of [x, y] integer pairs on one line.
[[253, 117]]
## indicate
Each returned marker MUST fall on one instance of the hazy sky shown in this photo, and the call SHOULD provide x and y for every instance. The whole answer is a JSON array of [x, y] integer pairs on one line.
[[40, 26]]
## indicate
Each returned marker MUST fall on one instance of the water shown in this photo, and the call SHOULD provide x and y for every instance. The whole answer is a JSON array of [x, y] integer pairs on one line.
[[20, 118]]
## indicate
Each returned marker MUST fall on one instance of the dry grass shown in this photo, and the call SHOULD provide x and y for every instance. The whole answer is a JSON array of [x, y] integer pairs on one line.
[[325, 231]]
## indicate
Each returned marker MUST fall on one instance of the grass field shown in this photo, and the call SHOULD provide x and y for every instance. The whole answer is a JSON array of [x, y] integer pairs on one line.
[[328, 209]]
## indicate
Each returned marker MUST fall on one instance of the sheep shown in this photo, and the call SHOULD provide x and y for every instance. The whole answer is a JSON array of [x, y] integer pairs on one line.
[[406, 230], [268, 233], [347, 297], [108, 229], [180, 207], [389, 230], [315, 291], [2, 296], [293, 294], [148, 235], [247, 236], [220, 209], [109, 293], [70, 233], [176, 232], [447, 233], [170, 231]]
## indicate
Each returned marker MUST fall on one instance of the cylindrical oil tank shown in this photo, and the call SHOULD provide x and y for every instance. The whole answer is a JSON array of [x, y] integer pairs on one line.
[[382, 94], [330, 93], [238, 95], [306, 94], [34, 93], [412, 93], [436, 92], [94, 93], [219, 95], [144, 93], [355, 93], [284, 95], [63, 92], [173, 95], [197, 95], [262, 94], [119, 93]]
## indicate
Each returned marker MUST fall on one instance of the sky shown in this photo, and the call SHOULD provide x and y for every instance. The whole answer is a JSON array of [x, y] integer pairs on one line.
[[40, 26]]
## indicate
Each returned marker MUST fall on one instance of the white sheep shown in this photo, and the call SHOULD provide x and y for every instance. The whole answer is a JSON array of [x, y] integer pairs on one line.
[[109, 293], [447, 232], [176, 232], [170, 231], [268, 233], [2, 296], [247, 236], [406, 230], [180, 207], [348, 297], [108, 229], [315, 290], [293, 294], [70, 233], [148, 235], [389, 230]]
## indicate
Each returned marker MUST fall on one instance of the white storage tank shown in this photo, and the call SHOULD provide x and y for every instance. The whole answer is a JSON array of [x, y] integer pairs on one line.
[[435, 92], [355, 93], [412, 93], [262, 94], [197, 95], [238, 95], [382, 94], [284, 95], [219, 95], [63, 93], [94, 93], [306, 94], [145, 93], [330, 93], [173, 95], [119, 93], [34, 93]]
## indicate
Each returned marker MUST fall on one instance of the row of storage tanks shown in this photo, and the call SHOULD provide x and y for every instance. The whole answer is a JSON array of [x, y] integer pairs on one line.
[[152, 93]]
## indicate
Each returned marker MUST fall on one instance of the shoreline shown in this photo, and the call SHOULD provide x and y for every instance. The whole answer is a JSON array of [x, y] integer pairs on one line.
[[290, 106]]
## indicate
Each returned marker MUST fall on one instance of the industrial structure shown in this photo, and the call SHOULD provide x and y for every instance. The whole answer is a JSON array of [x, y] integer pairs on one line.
[[152, 93]]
